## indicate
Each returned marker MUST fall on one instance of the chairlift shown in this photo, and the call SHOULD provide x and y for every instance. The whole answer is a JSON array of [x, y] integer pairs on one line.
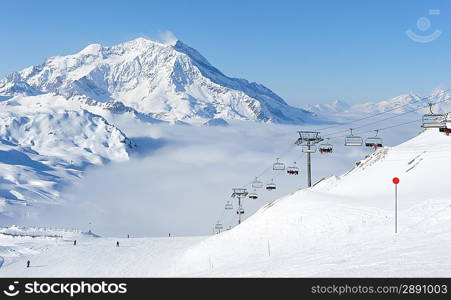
[[446, 131], [218, 226], [326, 148], [271, 186], [239, 193], [278, 166], [433, 120], [257, 184], [228, 205], [374, 142], [253, 195], [293, 170], [353, 140], [309, 148]]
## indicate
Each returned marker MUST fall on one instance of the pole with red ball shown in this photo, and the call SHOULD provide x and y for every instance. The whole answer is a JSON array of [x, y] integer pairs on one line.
[[396, 181]]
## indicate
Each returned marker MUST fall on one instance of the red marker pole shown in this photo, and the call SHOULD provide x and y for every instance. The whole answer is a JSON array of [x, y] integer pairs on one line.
[[396, 181]]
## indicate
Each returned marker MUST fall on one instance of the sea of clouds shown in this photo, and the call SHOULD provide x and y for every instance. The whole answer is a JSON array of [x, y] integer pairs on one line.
[[179, 177]]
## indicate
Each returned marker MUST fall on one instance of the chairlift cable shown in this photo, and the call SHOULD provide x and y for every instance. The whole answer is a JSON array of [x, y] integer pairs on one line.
[[380, 129], [368, 124], [392, 117], [384, 112]]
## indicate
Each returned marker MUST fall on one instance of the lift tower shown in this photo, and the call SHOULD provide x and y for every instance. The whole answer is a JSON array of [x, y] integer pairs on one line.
[[308, 140], [239, 193]]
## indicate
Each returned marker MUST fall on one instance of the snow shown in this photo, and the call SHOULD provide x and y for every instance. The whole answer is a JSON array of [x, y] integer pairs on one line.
[[135, 257], [343, 226]]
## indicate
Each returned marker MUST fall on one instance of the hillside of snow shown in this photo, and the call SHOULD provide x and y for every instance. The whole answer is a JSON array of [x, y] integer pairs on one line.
[[44, 150], [153, 80], [343, 226]]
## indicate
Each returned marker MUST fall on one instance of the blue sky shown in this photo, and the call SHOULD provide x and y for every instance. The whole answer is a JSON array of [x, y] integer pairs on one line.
[[306, 51]]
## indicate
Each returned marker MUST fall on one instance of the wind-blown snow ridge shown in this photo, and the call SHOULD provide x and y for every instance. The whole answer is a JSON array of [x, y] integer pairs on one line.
[[166, 82]]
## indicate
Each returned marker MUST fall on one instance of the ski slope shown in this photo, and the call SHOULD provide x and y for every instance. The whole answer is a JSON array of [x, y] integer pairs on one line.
[[53, 254], [343, 226]]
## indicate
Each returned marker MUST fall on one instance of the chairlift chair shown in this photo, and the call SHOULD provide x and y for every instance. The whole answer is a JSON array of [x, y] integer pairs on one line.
[[278, 166], [326, 148], [257, 184], [218, 226], [353, 140], [240, 211], [374, 141], [433, 120], [228, 205], [271, 186], [253, 195], [446, 131], [293, 170]]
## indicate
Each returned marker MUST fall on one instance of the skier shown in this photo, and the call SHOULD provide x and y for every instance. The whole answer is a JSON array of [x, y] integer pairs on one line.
[[169, 235], [128, 236], [117, 244], [28, 263], [75, 242]]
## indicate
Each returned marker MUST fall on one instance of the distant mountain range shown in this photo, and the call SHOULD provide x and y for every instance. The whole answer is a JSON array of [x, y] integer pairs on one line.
[[341, 111]]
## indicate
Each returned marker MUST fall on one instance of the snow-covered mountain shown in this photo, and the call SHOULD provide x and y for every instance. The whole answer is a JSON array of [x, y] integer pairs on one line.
[[61, 116], [43, 149], [412, 102], [165, 82]]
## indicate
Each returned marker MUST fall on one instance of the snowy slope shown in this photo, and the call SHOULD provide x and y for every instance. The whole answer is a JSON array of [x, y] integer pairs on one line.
[[166, 82], [43, 150], [50, 248], [343, 226]]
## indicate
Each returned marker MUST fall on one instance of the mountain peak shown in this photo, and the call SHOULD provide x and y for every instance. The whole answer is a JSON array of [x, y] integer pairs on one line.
[[140, 43], [92, 49]]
